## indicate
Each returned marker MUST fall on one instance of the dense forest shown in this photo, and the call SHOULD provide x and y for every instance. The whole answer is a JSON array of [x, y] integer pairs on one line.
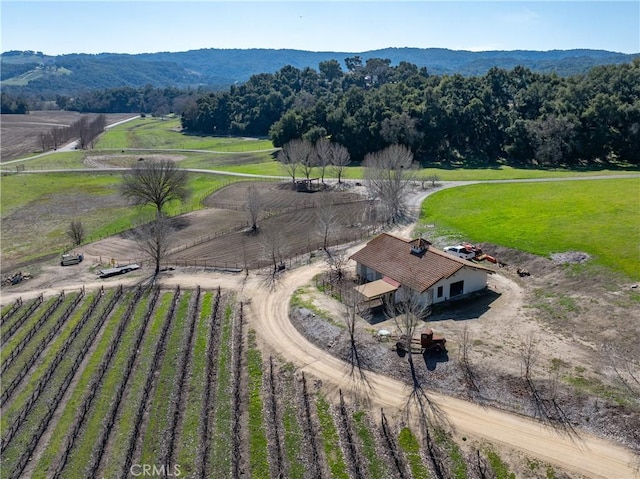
[[516, 116], [36, 74]]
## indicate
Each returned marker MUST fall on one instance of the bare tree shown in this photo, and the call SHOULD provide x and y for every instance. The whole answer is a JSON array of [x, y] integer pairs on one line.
[[465, 363], [156, 183], [388, 175], [354, 310], [254, 207], [272, 243], [337, 260], [432, 178], [76, 232], [306, 157], [288, 158], [326, 219], [408, 313], [154, 240], [323, 152], [528, 356], [340, 159]]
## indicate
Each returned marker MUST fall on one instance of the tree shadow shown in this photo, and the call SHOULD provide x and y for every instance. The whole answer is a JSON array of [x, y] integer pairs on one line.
[[432, 358]]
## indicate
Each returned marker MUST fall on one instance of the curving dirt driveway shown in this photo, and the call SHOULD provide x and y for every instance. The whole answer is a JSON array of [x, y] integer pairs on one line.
[[579, 452]]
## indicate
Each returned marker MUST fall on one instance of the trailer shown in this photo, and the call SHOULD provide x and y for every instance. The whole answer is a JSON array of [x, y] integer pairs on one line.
[[106, 273]]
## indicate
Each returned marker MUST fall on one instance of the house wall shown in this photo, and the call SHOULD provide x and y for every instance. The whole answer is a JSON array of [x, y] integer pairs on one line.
[[474, 280], [367, 274]]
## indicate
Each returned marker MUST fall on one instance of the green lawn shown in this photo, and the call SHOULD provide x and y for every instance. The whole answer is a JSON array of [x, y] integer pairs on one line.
[[596, 217]]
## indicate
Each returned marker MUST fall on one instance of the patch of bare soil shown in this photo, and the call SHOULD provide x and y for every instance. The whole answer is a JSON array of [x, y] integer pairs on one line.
[[124, 161], [572, 381], [20, 133]]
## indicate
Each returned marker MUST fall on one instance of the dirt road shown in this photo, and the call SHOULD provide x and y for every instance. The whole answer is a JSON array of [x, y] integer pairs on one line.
[[269, 315]]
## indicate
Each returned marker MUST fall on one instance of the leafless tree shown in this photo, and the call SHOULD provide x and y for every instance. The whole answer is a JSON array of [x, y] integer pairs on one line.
[[289, 157], [340, 159], [271, 242], [354, 310], [154, 240], [432, 178], [626, 367], [156, 183], [408, 313], [528, 356], [323, 152], [58, 137], [337, 260], [388, 175], [46, 140], [306, 157], [76, 232], [254, 207], [465, 363], [326, 219]]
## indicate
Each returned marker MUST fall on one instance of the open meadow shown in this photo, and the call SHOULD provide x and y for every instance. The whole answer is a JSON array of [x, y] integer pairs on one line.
[[78, 397]]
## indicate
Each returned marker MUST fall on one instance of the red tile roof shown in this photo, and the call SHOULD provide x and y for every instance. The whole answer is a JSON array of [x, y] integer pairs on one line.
[[392, 257]]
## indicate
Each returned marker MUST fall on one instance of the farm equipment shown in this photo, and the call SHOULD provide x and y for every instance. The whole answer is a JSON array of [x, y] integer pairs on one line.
[[71, 258], [107, 273], [16, 278], [428, 342]]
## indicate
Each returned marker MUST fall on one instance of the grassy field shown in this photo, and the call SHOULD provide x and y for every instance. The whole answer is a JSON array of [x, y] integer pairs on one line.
[[248, 155], [156, 133], [51, 200], [596, 217]]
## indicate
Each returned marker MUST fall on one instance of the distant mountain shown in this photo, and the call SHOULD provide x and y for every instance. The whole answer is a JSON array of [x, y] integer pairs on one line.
[[34, 72]]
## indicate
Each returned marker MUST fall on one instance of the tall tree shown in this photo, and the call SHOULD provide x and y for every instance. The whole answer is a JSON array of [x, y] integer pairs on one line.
[[340, 159], [156, 183], [154, 239], [388, 175], [323, 150]]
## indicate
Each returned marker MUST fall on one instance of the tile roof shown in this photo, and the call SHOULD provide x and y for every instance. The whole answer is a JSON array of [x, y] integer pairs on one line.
[[392, 256]]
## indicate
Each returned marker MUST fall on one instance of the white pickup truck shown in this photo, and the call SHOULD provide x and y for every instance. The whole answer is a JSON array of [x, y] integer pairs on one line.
[[460, 251]]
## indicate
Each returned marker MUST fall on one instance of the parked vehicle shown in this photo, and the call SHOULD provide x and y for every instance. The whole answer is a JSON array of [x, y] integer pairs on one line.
[[71, 258], [461, 251], [428, 342]]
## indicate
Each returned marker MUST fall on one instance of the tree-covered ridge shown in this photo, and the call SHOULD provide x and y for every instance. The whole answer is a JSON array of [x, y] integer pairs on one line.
[[514, 116], [220, 68]]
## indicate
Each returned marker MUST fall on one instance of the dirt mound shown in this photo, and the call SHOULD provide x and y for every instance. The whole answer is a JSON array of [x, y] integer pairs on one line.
[[570, 257]]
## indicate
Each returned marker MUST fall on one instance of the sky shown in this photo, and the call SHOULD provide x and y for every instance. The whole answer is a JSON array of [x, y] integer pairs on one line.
[[146, 26]]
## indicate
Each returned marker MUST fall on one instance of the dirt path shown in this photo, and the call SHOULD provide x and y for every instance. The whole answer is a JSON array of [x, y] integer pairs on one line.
[[584, 454], [268, 308], [269, 315]]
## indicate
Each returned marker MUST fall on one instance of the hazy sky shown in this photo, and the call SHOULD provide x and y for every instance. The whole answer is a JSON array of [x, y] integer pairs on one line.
[[55, 27]]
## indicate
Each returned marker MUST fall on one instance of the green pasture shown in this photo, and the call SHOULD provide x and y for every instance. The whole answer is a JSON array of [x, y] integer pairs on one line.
[[596, 217], [156, 133]]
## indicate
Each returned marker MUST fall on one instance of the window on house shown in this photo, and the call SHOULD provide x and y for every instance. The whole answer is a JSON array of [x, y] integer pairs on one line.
[[456, 289], [440, 291]]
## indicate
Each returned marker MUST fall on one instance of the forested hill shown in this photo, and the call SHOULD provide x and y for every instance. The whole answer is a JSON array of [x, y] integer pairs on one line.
[[37, 73]]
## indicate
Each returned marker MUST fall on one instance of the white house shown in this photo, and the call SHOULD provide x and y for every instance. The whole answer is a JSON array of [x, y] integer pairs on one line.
[[389, 265]]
